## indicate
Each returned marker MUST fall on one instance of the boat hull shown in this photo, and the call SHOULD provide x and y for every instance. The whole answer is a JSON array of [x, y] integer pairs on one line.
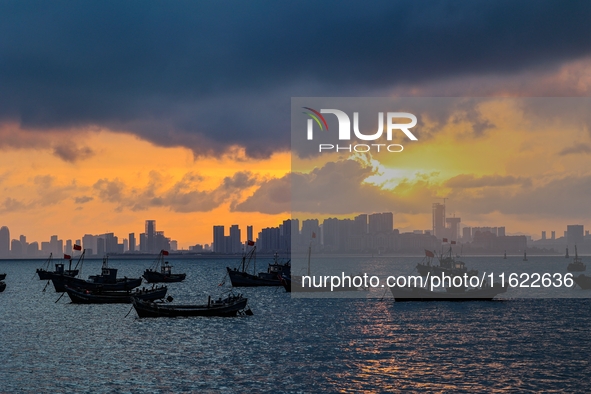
[[2, 276], [158, 277], [60, 282], [2, 286], [421, 294], [156, 309], [47, 275], [583, 281], [80, 296], [572, 267], [244, 279]]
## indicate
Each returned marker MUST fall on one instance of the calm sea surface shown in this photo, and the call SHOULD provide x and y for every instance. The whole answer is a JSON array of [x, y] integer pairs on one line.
[[290, 345]]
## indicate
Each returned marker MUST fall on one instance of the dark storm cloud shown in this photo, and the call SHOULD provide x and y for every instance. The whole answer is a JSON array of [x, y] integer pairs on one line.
[[207, 75]]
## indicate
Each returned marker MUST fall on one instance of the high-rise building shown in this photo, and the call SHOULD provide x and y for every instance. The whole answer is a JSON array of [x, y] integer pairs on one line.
[[454, 228], [235, 244], [285, 231], [574, 234], [219, 244], [132, 242], [4, 241], [249, 234], [68, 249], [151, 236], [268, 240], [143, 243], [467, 234], [15, 248], [360, 225], [439, 220], [381, 223], [100, 246], [330, 234], [24, 244], [310, 231]]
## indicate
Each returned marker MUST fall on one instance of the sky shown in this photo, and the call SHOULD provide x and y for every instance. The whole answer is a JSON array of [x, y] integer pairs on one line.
[[112, 113]]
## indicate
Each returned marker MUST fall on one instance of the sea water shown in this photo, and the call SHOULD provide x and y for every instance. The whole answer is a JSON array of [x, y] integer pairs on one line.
[[369, 344]]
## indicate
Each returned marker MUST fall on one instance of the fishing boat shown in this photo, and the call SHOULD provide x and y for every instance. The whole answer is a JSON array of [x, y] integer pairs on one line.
[[577, 264], [81, 296], [106, 281], [448, 265], [583, 281], [161, 271], [2, 286], [45, 274], [241, 278], [483, 293], [229, 306]]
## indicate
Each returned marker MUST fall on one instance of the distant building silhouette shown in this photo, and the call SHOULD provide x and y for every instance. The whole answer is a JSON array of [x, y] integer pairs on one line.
[[439, 229], [132, 242], [219, 244], [4, 241], [151, 236]]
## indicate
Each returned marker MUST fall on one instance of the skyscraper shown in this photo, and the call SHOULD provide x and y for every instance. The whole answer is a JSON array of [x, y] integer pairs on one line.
[[4, 241], [454, 228], [219, 245], [439, 220], [249, 234], [381, 223], [236, 246], [151, 236], [132, 242]]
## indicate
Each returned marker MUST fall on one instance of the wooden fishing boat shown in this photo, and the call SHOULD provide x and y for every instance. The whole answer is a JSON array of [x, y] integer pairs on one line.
[[229, 306], [161, 271], [577, 264], [81, 296], [241, 278], [45, 274], [106, 281], [583, 281]]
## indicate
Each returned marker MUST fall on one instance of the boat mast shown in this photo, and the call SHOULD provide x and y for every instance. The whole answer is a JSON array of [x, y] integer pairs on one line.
[[309, 253]]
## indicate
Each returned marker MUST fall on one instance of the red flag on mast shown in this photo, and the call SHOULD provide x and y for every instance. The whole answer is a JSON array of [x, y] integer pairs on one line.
[[77, 247], [428, 253], [67, 257], [164, 252], [250, 243]]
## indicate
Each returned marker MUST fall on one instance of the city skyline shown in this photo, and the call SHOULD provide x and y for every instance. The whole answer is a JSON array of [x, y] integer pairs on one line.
[[152, 241]]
